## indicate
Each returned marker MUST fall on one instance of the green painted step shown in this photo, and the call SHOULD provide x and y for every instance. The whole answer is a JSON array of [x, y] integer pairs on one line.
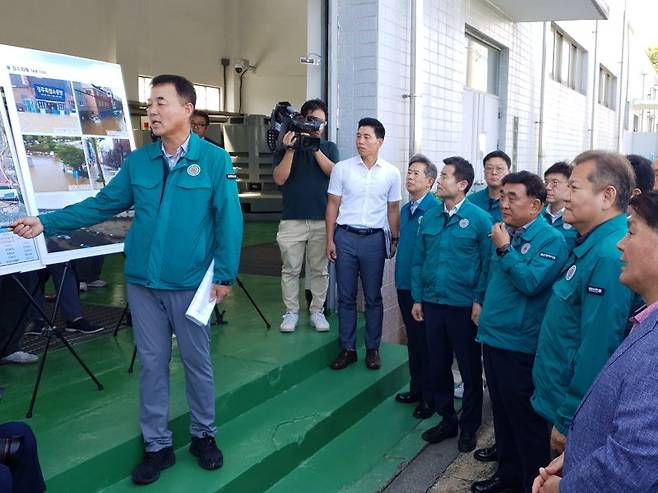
[[269, 441], [369, 453], [81, 430]]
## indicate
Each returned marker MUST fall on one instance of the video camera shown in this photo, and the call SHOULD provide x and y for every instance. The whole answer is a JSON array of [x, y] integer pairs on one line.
[[285, 119], [9, 448]]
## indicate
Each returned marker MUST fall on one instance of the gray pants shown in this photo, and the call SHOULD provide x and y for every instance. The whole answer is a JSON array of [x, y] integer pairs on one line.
[[156, 314]]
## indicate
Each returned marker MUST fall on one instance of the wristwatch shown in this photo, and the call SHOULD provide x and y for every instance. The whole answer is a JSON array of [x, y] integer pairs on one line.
[[225, 283], [504, 250]]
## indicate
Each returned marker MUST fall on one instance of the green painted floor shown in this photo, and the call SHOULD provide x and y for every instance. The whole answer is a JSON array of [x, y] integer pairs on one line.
[[287, 423]]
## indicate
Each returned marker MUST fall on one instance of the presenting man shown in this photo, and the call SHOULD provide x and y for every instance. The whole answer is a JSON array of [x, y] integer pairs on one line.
[[496, 164], [421, 175], [613, 440], [200, 122], [303, 176], [556, 180], [364, 195], [588, 310], [448, 280], [529, 256], [187, 213]]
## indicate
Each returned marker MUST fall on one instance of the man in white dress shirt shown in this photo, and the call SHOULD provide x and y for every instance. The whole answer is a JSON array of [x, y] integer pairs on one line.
[[363, 199]]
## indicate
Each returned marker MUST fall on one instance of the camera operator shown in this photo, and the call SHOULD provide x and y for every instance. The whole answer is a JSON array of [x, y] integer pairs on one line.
[[20, 471], [303, 176]]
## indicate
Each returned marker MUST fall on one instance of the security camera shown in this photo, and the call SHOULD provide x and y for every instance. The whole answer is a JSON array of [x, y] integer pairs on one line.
[[242, 65]]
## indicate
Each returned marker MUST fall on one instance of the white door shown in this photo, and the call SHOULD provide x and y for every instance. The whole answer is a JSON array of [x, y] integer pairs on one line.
[[479, 128]]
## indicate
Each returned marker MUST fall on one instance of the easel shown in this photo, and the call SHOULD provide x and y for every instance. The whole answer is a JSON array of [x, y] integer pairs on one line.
[[49, 331]]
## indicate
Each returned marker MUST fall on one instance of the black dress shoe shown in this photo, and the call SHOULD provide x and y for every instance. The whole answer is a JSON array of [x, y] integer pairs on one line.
[[423, 410], [149, 469], [408, 397], [495, 484], [343, 359], [489, 454], [372, 359], [438, 433], [205, 450], [466, 442]]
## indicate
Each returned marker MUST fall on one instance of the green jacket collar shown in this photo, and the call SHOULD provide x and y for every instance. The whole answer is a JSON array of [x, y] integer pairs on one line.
[[534, 229], [154, 151], [598, 233]]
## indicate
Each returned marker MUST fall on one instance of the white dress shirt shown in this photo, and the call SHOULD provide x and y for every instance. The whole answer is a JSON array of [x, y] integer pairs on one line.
[[365, 193]]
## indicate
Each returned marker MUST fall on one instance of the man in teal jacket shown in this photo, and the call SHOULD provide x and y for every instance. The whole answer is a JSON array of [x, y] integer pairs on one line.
[[421, 175], [448, 279], [529, 255], [187, 214], [497, 165], [588, 311], [556, 179]]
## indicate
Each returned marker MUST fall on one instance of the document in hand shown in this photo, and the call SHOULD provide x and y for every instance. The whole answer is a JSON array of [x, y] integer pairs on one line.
[[201, 306]]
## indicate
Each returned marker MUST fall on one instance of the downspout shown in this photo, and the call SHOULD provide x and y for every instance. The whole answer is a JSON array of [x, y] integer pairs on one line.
[[415, 110], [542, 103], [595, 85], [620, 112]]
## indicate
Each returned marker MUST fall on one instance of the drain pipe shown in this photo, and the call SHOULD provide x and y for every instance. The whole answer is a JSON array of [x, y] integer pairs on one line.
[[415, 110], [542, 104], [620, 103], [595, 86]]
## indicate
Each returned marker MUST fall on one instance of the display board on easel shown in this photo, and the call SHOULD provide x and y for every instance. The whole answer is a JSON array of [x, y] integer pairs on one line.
[[67, 131]]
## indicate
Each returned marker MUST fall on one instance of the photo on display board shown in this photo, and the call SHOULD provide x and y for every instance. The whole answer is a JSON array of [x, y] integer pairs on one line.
[[57, 164], [14, 251], [105, 156], [44, 105], [100, 109]]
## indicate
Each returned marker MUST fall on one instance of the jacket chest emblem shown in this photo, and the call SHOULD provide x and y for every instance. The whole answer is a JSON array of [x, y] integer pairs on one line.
[[193, 169], [525, 248], [571, 272], [464, 223]]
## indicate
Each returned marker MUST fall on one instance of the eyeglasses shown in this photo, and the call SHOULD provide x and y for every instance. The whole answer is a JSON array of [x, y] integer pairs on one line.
[[198, 125], [554, 183]]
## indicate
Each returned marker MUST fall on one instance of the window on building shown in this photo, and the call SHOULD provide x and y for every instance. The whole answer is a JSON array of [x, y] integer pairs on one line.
[[207, 97], [607, 87], [568, 61], [482, 65]]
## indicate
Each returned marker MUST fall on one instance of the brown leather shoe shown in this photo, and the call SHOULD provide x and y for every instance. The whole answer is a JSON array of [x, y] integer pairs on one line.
[[372, 359], [344, 358]]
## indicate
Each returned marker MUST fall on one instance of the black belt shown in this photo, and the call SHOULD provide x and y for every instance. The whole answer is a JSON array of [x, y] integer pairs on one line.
[[360, 231]]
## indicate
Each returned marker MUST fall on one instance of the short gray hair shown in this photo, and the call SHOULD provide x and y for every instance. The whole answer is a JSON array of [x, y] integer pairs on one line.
[[430, 168], [612, 170]]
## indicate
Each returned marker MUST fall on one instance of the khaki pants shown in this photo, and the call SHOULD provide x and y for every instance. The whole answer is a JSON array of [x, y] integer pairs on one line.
[[296, 237]]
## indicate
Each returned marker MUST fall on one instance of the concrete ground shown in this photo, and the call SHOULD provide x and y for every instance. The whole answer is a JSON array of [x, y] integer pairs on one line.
[[441, 468]]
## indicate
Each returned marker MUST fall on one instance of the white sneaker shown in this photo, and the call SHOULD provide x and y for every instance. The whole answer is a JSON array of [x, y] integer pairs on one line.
[[459, 391], [19, 358], [319, 322], [289, 323], [83, 286], [98, 283]]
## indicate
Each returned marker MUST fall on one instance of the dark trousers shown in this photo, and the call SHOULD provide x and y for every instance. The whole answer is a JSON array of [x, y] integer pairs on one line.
[[88, 269], [14, 303], [416, 346], [450, 329], [69, 303], [522, 436], [23, 474], [359, 255]]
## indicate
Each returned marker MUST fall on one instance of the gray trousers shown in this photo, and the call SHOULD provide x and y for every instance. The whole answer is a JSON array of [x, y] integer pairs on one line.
[[156, 314]]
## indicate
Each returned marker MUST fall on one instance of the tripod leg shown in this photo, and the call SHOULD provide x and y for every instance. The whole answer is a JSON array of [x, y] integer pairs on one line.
[[42, 363], [82, 363], [132, 361], [123, 315], [267, 324]]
